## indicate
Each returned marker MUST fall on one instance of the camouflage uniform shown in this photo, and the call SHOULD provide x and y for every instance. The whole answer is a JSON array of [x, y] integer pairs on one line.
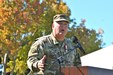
[[53, 49]]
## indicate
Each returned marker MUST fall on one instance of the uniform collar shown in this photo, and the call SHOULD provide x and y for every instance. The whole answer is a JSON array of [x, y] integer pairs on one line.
[[54, 39]]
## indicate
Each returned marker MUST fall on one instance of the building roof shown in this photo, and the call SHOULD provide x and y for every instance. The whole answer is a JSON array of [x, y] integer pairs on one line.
[[102, 58]]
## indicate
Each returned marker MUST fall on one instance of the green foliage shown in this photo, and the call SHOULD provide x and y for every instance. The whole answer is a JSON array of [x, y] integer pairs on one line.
[[89, 38]]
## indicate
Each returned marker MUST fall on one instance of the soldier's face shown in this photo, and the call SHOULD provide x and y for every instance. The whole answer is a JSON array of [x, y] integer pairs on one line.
[[60, 28]]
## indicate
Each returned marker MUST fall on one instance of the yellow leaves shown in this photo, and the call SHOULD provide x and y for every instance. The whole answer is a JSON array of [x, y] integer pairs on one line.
[[25, 14], [15, 9], [23, 27], [20, 66], [1, 1], [5, 39], [62, 7], [9, 66], [4, 14], [1, 22], [4, 33], [54, 6]]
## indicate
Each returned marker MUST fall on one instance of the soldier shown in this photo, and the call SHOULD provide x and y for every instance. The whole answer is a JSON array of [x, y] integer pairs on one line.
[[47, 54]]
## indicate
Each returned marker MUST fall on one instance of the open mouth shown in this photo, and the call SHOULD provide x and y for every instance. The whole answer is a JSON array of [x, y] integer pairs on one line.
[[62, 30]]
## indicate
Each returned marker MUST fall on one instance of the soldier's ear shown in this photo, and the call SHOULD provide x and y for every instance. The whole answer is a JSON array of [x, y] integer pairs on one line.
[[52, 25]]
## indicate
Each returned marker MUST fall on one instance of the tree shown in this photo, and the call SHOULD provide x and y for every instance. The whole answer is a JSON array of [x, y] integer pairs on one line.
[[89, 38], [21, 22]]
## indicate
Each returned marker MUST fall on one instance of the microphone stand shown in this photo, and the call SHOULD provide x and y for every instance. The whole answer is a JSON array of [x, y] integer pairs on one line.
[[60, 60], [79, 70], [60, 67]]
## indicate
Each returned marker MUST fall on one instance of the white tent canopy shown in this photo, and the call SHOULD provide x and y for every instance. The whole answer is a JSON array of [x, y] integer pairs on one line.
[[102, 58]]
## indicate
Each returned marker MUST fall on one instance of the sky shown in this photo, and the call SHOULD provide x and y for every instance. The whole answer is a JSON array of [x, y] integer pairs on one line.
[[98, 14]]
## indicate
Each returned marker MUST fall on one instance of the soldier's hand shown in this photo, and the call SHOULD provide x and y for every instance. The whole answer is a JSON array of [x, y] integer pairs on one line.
[[41, 63]]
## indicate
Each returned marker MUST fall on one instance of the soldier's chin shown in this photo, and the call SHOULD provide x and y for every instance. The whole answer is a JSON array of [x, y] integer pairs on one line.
[[62, 34]]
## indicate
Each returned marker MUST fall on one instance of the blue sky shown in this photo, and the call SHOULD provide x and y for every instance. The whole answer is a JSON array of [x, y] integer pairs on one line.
[[98, 14]]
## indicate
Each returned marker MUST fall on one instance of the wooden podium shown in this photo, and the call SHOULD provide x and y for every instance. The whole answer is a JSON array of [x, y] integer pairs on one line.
[[86, 70]]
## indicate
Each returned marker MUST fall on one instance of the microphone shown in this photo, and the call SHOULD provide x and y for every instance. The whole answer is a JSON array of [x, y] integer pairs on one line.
[[76, 41]]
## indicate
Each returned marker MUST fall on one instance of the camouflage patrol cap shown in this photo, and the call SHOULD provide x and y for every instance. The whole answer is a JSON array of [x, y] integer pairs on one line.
[[60, 17]]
